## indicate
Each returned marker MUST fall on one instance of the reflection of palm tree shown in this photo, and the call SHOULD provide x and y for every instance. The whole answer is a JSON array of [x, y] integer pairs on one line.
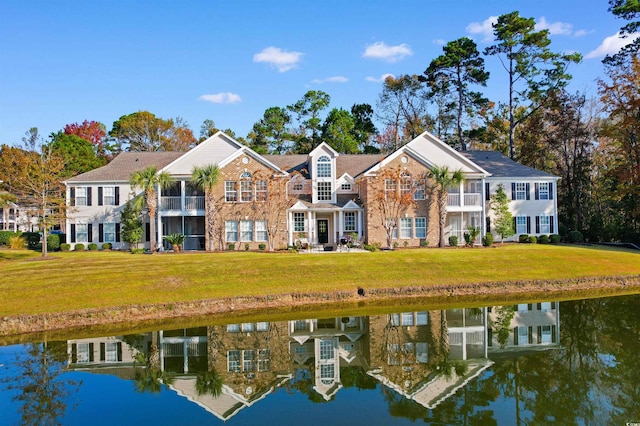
[[150, 378], [209, 383]]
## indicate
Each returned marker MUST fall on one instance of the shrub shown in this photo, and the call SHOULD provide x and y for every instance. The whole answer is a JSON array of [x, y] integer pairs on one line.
[[554, 239], [453, 241], [93, 247], [395, 244], [575, 237], [65, 247], [543, 239], [78, 247], [231, 246], [405, 244], [106, 246], [487, 240], [533, 239], [53, 242], [17, 242], [137, 250], [424, 243], [262, 246], [32, 238], [523, 238], [246, 247], [5, 236], [176, 240], [370, 247]]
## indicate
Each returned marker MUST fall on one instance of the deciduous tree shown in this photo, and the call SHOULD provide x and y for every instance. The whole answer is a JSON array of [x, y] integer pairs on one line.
[[78, 154], [92, 131], [143, 131], [272, 207]]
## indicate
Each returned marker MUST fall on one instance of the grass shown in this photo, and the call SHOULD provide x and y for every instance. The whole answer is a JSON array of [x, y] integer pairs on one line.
[[72, 281]]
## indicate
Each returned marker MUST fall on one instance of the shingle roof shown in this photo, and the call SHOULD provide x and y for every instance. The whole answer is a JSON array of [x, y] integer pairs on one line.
[[353, 164], [125, 164], [499, 165]]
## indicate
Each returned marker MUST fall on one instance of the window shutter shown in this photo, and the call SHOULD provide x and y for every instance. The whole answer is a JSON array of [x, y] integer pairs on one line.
[[117, 232], [515, 225], [539, 334], [513, 190], [528, 224], [90, 352], [102, 351], [551, 190], [147, 231], [117, 193], [527, 190], [100, 231], [90, 233], [72, 196], [73, 232], [553, 305], [119, 351], [537, 224], [515, 336], [530, 334], [99, 195], [553, 334], [487, 194], [537, 191], [74, 353], [551, 225], [489, 336], [89, 191], [488, 220]]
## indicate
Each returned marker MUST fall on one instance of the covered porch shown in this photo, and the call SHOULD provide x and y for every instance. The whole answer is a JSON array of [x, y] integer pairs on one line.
[[322, 228]]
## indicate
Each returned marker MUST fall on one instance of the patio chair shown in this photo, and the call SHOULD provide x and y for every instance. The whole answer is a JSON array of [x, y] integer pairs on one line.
[[302, 243]]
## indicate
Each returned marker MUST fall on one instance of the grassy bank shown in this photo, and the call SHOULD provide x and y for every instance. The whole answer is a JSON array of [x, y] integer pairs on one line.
[[89, 280]]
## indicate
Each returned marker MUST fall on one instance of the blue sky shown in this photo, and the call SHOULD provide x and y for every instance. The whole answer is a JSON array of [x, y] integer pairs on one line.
[[66, 61]]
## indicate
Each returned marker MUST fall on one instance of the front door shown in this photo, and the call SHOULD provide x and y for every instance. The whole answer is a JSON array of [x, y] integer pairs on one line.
[[323, 231]]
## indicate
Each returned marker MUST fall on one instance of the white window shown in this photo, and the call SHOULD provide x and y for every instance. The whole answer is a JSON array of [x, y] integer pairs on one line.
[[261, 230], [521, 191], [233, 328], [324, 191], [262, 326], [421, 227], [393, 354], [82, 232], [419, 193], [326, 349], [345, 187], [350, 221], [111, 352], [261, 190], [264, 360], [298, 222], [324, 166], [545, 224], [327, 373], [407, 318], [246, 190], [543, 191], [231, 228], [249, 360], [405, 185], [83, 353], [109, 233], [247, 327], [422, 318], [246, 230], [109, 196], [546, 334], [391, 224], [521, 224], [233, 361], [390, 187], [230, 191], [523, 335], [301, 325], [394, 319], [422, 352], [81, 196], [405, 227]]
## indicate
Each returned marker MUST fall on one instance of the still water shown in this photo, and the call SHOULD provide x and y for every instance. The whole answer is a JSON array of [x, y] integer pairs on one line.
[[570, 362]]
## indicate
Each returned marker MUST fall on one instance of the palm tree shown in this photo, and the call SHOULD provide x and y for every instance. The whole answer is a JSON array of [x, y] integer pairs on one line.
[[444, 179], [148, 180], [206, 178], [209, 383]]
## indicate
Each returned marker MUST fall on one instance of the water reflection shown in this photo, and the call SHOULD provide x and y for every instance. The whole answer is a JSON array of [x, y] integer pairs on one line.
[[499, 364]]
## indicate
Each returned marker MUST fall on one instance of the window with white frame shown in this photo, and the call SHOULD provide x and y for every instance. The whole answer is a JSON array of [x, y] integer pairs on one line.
[[231, 230], [233, 361], [405, 185], [390, 187], [350, 221], [246, 190], [421, 227], [298, 222], [261, 190], [326, 349], [345, 187], [407, 318], [405, 227], [230, 191], [324, 166], [543, 191], [247, 327], [109, 233], [248, 360], [233, 328], [521, 224], [82, 232], [391, 224], [521, 191], [246, 230], [324, 191], [261, 230], [83, 353], [264, 360], [109, 196], [419, 193], [111, 352], [545, 224], [262, 326], [422, 318], [81, 196], [327, 374]]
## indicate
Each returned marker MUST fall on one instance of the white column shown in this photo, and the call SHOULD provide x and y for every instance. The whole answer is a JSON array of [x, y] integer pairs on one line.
[[182, 195], [360, 223], [158, 221]]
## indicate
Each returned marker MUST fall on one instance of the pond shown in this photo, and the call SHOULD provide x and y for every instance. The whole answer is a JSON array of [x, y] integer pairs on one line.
[[566, 362]]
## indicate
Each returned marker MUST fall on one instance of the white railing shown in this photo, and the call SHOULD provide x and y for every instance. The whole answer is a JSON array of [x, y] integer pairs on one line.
[[194, 203], [453, 199], [470, 199], [170, 203]]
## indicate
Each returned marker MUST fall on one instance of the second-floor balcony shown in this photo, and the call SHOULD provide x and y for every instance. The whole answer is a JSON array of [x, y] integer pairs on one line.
[[464, 200], [176, 203]]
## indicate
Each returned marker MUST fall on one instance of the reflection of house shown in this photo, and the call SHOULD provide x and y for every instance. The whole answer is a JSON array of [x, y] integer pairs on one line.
[[330, 344], [325, 194], [114, 355], [532, 325]]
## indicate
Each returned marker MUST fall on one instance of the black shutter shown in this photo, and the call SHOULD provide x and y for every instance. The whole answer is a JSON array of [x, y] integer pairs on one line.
[[147, 231], [528, 224], [74, 353], [89, 191], [100, 232], [72, 196], [102, 351], [539, 334], [488, 220], [90, 233], [515, 336], [553, 305], [117, 193], [539, 306], [513, 190], [515, 225], [551, 225], [553, 334], [487, 194], [489, 336], [119, 351], [117, 232], [527, 190], [551, 190], [90, 352], [73, 232], [537, 190], [537, 224], [530, 332], [99, 195]]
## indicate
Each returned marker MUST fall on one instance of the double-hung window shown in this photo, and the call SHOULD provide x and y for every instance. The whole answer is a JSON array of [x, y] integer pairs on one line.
[[421, 227], [261, 230], [419, 193], [521, 224], [248, 360], [390, 187], [350, 221], [261, 190], [543, 191], [82, 232], [246, 190], [298, 222], [544, 224], [109, 196], [81, 196], [109, 233], [246, 230], [520, 191], [231, 230], [233, 361], [405, 227], [230, 191], [324, 191], [405, 185]]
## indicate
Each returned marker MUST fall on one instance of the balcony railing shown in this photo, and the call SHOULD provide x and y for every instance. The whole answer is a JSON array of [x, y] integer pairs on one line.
[[175, 203], [470, 199], [170, 203], [194, 203]]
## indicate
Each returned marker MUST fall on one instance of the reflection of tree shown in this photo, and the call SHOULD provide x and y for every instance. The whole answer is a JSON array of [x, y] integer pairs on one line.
[[40, 389], [209, 383], [502, 323], [355, 376], [148, 376], [303, 383]]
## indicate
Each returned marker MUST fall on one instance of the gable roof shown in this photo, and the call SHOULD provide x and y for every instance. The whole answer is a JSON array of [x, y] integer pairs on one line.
[[499, 165], [125, 164], [351, 164]]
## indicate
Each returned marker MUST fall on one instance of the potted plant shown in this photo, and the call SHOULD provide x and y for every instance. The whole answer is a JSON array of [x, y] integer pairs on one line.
[[176, 240]]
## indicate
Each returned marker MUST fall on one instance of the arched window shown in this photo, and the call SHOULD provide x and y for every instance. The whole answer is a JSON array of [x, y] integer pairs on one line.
[[324, 166]]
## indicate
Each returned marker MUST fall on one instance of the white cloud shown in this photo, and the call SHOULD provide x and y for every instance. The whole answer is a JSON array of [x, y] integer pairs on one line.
[[382, 78], [439, 42], [386, 53], [484, 28], [336, 79], [611, 45], [580, 33], [281, 59], [221, 98], [555, 28]]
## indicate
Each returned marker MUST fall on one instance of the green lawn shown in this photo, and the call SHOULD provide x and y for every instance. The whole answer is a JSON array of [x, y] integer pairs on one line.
[[73, 281]]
